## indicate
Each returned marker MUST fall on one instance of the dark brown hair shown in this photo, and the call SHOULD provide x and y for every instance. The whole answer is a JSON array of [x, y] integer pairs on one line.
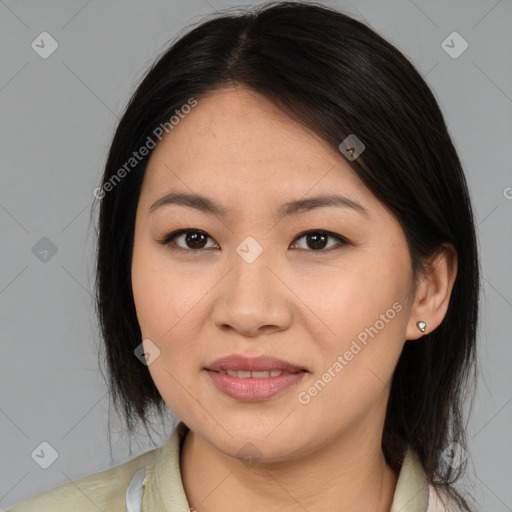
[[338, 77]]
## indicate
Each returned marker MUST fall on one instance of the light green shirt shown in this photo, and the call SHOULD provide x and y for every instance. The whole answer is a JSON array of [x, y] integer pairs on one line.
[[155, 475]]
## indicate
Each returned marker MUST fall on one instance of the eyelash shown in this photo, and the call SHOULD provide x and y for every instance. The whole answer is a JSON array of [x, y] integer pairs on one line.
[[168, 239]]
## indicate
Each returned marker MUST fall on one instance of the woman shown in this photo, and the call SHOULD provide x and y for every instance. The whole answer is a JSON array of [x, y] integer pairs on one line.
[[287, 260]]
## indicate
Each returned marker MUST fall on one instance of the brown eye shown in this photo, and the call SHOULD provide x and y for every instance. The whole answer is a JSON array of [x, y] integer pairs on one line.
[[191, 240], [195, 240], [317, 241]]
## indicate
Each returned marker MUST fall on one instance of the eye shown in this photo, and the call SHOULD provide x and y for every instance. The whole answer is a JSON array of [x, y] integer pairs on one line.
[[317, 240], [196, 240]]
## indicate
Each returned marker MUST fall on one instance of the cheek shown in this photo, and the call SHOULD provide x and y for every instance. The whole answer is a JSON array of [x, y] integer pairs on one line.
[[168, 297], [356, 364], [148, 287], [163, 292], [353, 298], [364, 313], [164, 297]]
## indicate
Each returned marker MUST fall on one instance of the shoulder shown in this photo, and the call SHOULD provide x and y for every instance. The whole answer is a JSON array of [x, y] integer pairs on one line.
[[440, 501], [105, 490], [414, 492]]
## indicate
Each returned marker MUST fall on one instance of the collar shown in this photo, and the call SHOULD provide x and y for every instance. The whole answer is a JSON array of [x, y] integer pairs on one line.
[[163, 487]]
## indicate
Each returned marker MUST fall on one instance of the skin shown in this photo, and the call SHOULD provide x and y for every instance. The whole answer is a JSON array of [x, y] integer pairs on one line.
[[293, 302]]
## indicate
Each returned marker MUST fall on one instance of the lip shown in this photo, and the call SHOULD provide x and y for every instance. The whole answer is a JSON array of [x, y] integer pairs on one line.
[[261, 363], [251, 389]]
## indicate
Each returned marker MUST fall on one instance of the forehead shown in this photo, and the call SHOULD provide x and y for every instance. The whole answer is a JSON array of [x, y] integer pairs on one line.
[[237, 145]]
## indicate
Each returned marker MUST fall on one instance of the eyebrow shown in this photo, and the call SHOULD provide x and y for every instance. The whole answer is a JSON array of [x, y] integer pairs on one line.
[[209, 205]]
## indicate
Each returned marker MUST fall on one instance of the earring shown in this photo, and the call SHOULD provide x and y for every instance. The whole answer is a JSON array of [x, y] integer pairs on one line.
[[421, 325]]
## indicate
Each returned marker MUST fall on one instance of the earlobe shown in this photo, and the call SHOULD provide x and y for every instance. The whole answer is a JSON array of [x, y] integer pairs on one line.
[[433, 294]]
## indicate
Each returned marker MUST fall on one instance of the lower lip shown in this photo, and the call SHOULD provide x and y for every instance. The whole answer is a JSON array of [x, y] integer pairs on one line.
[[253, 389]]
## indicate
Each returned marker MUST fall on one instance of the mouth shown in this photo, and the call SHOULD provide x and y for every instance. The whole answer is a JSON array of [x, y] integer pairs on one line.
[[253, 379]]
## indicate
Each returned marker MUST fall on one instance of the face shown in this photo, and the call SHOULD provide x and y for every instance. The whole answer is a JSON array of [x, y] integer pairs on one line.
[[323, 288]]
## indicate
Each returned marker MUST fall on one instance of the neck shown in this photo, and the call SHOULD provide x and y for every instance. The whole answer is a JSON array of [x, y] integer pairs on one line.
[[349, 474]]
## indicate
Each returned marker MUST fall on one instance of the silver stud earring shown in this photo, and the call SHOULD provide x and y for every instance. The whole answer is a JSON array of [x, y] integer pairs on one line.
[[421, 325]]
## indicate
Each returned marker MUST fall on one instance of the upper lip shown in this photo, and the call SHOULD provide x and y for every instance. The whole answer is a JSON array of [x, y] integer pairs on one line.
[[244, 363]]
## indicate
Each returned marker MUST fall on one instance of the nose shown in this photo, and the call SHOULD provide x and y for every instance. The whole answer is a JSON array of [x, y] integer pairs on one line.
[[253, 297]]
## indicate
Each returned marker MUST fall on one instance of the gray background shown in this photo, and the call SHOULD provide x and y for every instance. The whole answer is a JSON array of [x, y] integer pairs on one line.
[[57, 119]]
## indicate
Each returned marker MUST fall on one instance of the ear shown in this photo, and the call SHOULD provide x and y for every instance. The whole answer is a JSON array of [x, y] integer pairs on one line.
[[434, 291]]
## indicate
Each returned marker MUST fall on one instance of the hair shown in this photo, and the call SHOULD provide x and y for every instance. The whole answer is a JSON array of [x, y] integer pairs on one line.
[[335, 76]]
